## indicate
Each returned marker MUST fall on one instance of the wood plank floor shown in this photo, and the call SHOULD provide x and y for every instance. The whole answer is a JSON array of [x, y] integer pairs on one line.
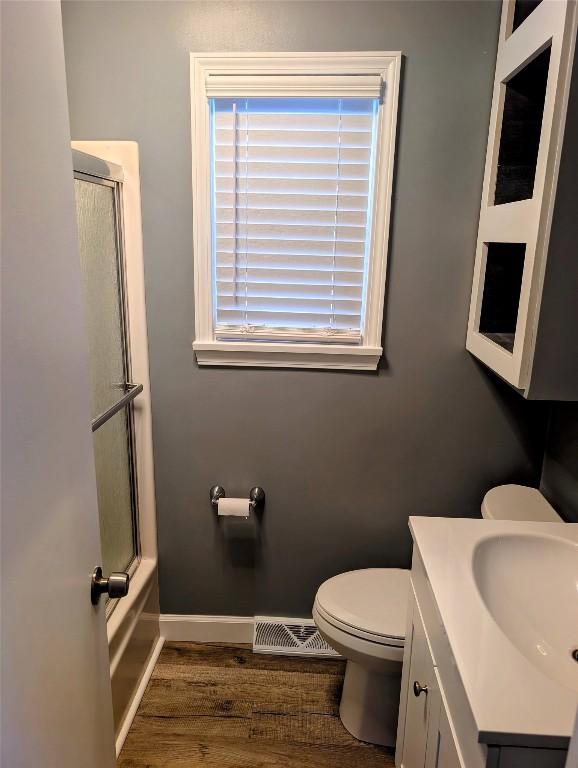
[[214, 705]]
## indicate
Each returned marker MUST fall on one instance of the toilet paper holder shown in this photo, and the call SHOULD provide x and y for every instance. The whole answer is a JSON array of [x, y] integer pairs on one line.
[[256, 496]]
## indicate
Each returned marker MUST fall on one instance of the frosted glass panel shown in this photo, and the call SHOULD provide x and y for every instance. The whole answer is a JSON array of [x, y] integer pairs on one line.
[[114, 487], [97, 223], [95, 209]]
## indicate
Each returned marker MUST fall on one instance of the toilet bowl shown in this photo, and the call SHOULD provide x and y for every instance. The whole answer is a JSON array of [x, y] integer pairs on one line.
[[362, 615]]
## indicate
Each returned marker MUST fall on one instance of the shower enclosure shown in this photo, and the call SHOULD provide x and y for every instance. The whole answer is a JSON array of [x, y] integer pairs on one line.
[[107, 194], [112, 392]]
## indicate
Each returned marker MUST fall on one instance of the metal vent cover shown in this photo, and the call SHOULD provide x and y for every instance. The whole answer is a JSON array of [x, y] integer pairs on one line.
[[293, 637]]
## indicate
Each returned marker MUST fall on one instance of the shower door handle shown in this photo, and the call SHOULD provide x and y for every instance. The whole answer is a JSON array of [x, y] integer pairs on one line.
[[132, 390], [116, 586]]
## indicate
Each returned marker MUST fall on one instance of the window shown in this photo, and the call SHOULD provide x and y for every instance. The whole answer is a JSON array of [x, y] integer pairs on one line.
[[292, 168], [291, 181]]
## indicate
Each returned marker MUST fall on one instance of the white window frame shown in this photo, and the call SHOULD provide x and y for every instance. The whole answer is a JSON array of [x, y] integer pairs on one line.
[[363, 356]]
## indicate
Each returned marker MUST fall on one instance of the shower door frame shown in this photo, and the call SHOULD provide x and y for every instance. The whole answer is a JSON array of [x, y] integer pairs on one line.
[[132, 626], [112, 176]]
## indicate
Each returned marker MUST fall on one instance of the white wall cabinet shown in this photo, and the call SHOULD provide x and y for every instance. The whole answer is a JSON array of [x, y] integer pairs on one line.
[[524, 311]]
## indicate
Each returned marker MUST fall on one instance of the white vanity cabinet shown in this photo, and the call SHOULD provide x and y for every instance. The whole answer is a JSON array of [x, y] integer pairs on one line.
[[436, 727], [523, 311]]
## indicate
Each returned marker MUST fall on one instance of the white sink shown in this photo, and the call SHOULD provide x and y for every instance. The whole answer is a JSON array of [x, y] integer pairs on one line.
[[529, 584]]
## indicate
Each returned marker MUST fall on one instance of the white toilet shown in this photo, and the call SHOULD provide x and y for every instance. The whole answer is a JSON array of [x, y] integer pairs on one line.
[[362, 614]]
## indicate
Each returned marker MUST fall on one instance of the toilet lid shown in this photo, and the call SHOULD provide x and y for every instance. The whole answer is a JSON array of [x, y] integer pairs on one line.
[[372, 600], [518, 502]]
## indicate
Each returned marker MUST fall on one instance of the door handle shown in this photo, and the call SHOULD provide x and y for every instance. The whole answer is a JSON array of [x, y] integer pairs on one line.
[[115, 586], [419, 689]]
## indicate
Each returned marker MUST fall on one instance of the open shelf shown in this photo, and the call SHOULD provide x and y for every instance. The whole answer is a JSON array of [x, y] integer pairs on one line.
[[502, 288], [521, 128], [522, 9], [523, 310]]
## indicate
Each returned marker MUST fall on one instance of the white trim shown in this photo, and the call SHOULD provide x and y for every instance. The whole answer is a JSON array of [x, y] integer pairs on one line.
[[332, 86], [207, 629], [285, 355], [139, 693], [126, 154], [212, 67]]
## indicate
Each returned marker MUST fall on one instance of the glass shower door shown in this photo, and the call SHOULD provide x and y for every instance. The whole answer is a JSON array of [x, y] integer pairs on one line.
[[100, 244]]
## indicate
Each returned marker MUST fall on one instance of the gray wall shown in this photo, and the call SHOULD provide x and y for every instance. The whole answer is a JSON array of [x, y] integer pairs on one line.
[[344, 457], [560, 470]]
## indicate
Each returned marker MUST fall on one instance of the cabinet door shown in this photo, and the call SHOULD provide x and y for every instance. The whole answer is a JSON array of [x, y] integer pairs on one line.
[[441, 748], [433, 725], [421, 708], [448, 754]]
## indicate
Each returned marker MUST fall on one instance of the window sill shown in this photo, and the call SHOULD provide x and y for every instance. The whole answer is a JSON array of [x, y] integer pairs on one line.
[[284, 355]]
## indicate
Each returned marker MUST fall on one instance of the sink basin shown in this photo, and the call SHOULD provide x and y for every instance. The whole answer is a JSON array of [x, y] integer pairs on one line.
[[529, 584]]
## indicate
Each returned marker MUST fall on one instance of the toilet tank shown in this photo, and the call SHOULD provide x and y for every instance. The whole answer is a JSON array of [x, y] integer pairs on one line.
[[518, 502]]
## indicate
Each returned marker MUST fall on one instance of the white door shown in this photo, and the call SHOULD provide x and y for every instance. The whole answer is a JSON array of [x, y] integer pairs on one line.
[[56, 699]]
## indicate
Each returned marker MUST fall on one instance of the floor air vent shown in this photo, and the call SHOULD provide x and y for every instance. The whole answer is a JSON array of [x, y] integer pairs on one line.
[[295, 637]]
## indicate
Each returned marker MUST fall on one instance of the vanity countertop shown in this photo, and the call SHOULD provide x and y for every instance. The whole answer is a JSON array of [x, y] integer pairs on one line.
[[512, 700]]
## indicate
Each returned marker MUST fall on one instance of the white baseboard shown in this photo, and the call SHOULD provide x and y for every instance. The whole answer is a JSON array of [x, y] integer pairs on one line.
[[207, 629], [139, 693]]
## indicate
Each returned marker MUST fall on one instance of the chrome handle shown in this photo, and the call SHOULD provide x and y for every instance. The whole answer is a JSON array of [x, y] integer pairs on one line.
[[419, 689], [115, 586], [132, 390]]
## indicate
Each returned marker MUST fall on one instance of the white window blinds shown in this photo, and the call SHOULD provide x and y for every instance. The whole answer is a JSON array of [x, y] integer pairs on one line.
[[292, 183]]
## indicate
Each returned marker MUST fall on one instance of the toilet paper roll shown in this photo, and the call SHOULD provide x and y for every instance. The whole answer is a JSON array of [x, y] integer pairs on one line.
[[233, 507]]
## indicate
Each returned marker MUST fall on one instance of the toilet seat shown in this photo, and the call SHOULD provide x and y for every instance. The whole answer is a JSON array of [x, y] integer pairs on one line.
[[369, 604], [355, 632]]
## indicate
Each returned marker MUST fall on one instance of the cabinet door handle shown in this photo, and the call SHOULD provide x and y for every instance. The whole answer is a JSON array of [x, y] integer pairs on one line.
[[419, 689]]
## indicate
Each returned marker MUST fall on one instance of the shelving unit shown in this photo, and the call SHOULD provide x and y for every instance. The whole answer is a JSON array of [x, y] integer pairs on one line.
[[523, 320]]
